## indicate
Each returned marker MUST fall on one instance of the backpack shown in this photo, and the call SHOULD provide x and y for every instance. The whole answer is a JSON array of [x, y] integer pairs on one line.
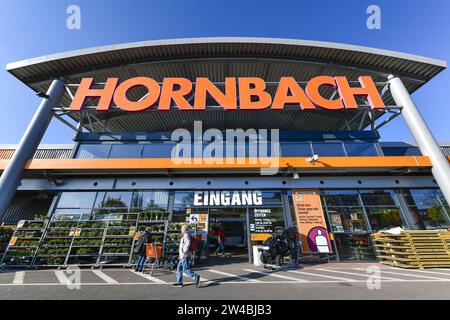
[[194, 244]]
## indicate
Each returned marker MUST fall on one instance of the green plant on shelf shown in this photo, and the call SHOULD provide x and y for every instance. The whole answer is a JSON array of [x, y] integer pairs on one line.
[[116, 250], [58, 242], [40, 217], [91, 233], [154, 215], [20, 252], [54, 261], [26, 243], [87, 242], [63, 224], [121, 223], [156, 239], [118, 232], [28, 234], [85, 251], [57, 233], [118, 242], [92, 224], [33, 225], [53, 251]]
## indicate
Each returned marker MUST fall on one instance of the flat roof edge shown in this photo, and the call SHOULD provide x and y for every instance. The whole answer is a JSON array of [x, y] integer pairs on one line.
[[210, 40]]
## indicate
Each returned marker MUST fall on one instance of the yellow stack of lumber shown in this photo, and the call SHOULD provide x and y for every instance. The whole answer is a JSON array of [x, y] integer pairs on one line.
[[414, 249]]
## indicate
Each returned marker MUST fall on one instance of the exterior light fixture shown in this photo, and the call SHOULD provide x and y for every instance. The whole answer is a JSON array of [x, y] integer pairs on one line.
[[313, 159]]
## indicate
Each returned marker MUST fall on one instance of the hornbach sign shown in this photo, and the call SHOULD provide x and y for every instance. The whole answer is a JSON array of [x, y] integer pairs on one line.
[[242, 93]]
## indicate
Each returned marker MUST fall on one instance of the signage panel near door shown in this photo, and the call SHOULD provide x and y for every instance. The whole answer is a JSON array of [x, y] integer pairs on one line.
[[261, 226], [311, 223]]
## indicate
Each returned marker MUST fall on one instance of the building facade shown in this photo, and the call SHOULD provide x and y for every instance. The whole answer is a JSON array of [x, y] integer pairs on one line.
[[168, 158]]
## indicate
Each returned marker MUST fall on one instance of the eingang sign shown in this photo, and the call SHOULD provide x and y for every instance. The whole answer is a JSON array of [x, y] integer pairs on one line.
[[244, 93]]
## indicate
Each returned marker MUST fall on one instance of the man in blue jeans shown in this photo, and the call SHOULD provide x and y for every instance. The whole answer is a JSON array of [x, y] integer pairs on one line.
[[183, 259]]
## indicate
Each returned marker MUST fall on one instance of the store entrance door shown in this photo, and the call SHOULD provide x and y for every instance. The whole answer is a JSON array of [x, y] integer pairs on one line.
[[230, 224]]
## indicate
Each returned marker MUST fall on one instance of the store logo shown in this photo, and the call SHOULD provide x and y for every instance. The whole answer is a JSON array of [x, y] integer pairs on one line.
[[239, 93], [228, 198]]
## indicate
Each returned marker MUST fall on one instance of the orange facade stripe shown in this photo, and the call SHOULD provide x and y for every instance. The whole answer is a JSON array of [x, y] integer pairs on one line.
[[168, 163]]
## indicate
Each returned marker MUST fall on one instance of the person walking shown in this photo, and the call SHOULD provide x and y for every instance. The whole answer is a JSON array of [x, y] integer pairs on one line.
[[220, 242], [184, 259], [139, 249]]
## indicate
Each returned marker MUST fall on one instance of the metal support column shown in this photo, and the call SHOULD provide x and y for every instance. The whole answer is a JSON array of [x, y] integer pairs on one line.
[[422, 134], [11, 177]]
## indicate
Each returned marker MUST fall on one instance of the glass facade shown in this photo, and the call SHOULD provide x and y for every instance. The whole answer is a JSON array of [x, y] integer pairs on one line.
[[426, 209], [351, 215], [165, 149]]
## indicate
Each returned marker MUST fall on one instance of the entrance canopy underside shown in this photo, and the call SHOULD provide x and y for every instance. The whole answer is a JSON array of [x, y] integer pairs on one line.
[[217, 58]]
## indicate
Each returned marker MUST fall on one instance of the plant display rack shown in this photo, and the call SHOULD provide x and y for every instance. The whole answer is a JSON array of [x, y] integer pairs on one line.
[[24, 243], [108, 241], [172, 242], [156, 221], [6, 233], [414, 249]]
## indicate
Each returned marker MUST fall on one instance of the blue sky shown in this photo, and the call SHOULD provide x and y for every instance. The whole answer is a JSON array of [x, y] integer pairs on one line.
[[38, 27]]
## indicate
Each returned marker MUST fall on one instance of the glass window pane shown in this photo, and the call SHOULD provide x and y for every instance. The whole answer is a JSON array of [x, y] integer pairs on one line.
[[384, 218], [378, 197], [91, 151], [289, 149], [428, 218], [421, 198], [75, 200], [271, 197], [346, 219], [158, 150], [354, 247], [401, 151], [117, 199], [184, 199], [148, 200], [361, 149], [125, 151], [328, 149], [341, 198], [441, 197]]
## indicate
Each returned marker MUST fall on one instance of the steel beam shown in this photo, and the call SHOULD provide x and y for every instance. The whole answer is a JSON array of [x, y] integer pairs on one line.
[[12, 176], [422, 134]]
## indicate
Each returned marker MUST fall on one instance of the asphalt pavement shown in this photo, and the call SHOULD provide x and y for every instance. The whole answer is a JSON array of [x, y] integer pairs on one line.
[[236, 281]]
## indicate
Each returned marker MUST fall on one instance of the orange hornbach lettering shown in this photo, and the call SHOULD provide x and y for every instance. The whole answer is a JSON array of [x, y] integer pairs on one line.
[[121, 100], [253, 87], [250, 91], [84, 92], [367, 89], [227, 100], [169, 93], [297, 97], [312, 89]]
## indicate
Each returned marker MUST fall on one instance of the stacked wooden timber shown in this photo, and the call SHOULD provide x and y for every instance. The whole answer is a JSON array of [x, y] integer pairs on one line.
[[414, 249]]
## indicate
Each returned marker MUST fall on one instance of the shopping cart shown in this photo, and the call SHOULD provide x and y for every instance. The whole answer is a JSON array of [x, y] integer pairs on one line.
[[153, 252]]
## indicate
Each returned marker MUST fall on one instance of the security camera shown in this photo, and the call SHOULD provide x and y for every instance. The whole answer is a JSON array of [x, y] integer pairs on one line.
[[313, 159]]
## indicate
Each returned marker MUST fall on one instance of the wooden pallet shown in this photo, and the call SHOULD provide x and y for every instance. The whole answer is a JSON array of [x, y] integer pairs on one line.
[[414, 249]]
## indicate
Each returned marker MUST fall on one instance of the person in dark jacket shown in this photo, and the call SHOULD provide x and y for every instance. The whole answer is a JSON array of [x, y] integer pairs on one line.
[[139, 250]]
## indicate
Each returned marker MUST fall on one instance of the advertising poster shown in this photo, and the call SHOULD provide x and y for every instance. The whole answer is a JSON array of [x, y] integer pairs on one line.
[[311, 224]]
